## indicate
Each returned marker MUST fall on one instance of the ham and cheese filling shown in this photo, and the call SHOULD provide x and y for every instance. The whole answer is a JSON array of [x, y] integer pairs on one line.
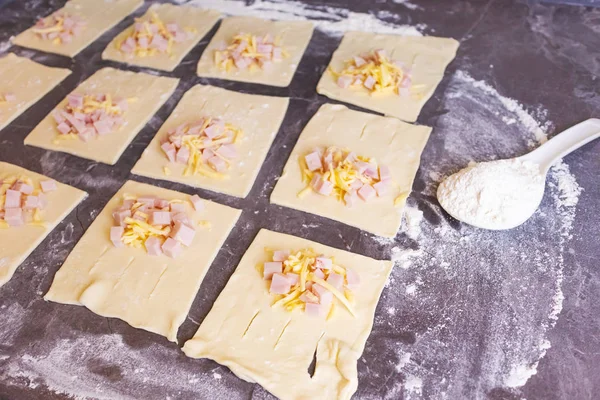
[[159, 225], [348, 177], [22, 201], [248, 51], [86, 116], [59, 27], [206, 146], [7, 97], [377, 73], [304, 279], [153, 36]]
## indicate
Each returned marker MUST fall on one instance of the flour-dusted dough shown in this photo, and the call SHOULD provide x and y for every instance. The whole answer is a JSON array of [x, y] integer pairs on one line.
[[426, 56], [150, 93], [99, 15], [28, 81], [294, 37], [390, 141], [258, 116], [153, 293], [185, 17], [274, 347], [17, 243]]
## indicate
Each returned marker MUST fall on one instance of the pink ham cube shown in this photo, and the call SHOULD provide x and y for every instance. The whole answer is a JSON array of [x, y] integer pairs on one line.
[[64, 128], [241, 62], [75, 100], [369, 82], [352, 279], [143, 43], [403, 92], [171, 248], [371, 171], [119, 216], [309, 297], [325, 188], [169, 150], [183, 155], [116, 233], [271, 268], [384, 173], [147, 200], [183, 233], [181, 217], [160, 218], [23, 188], [13, 199], [344, 81], [359, 61], [227, 151], [293, 278], [381, 54], [217, 164], [14, 216], [381, 188], [160, 203], [264, 49], [281, 255], [177, 208], [313, 161], [277, 54], [356, 184], [159, 43], [48, 186], [65, 37], [213, 130], [336, 280], [102, 127], [57, 116], [153, 246], [197, 202], [42, 201], [323, 263], [315, 310], [207, 154], [280, 284], [87, 134], [350, 198], [319, 274], [366, 192], [325, 296], [31, 202]]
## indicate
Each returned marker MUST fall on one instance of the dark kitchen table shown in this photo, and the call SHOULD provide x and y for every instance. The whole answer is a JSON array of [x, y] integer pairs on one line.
[[467, 314]]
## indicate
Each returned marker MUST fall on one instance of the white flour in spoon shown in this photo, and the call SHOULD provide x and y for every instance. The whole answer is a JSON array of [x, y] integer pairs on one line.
[[493, 195]]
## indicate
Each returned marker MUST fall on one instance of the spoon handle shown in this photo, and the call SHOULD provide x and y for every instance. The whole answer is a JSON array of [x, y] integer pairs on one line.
[[564, 143]]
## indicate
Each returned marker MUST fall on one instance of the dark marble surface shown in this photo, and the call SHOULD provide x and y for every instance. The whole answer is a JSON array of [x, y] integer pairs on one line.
[[469, 323]]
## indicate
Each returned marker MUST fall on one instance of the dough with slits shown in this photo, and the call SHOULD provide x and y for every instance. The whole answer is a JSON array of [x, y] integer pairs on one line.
[[274, 347], [390, 141], [99, 15], [259, 117], [149, 93], [16, 243], [153, 293], [28, 81]]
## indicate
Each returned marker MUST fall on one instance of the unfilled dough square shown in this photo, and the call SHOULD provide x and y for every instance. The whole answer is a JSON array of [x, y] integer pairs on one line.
[[426, 56], [186, 17], [16, 243], [293, 35], [148, 93], [100, 16], [258, 116], [390, 141], [28, 81], [153, 293], [275, 347]]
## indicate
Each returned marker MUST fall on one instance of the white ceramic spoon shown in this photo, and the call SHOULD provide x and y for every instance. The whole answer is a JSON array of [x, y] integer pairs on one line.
[[503, 194]]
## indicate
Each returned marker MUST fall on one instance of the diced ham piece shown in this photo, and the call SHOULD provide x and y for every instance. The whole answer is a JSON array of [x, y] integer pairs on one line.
[[177, 208], [280, 284], [116, 233], [277, 54], [325, 188], [65, 37], [153, 246], [42, 201], [159, 43], [161, 203], [293, 278], [172, 27], [123, 104], [64, 128], [183, 155], [181, 217], [183, 233], [160, 218], [281, 255], [207, 154], [384, 173], [75, 100], [271, 268], [31, 202], [241, 62], [217, 164], [228, 151], [366, 192], [381, 53], [147, 200], [143, 42], [119, 216], [23, 188], [359, 61], [344, 81], [309, 297], [371, 171], [406, 81], [313, 161], [361, 166], [58, 118], [352, 279], [171, 248], [336, 280], [213, 131], [325, 296], [169, 150], [14, 216], [319, 274], [102, 127], [369, 82], [13, 199], [86, 134], [356, 184], [382, 188], [323, 263], [350, 198], [264, 49], [315, 310], [197, 202]]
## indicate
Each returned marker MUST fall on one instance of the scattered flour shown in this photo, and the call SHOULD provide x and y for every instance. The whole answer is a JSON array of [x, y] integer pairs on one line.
[[411, 289], [412, 222], [5, 45]]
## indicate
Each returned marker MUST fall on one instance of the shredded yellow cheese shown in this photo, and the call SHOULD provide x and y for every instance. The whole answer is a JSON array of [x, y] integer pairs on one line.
[[226, 59]]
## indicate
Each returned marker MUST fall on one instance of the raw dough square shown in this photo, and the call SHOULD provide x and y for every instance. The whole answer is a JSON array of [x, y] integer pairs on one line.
[[390, 141], [153, 293], [294, 37], [100, 16], [274, 347], [28, 81], [17, 243], [149, 92], [258, 116], [185, 17], [427, 57]]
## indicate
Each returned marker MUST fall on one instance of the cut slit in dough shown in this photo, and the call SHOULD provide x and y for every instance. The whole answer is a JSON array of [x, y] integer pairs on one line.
[[198, 19], [275, 347], [390, 141], [293, 37], [153, 293], [16, 243], [28, 81], [259, 117], [147, 94], [426, 56], [99, 15]]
